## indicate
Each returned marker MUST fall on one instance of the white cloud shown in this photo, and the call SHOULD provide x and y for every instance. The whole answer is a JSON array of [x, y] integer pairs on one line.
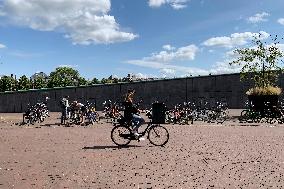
[[163, 61], [168, 71], [281, 46], [83, 21], [182, 53], [144, 76], [169, 68], [259, 17], [178, 6], [236, 39], [2, 46], [168, 47], [156, 3], [224, 68], [69, 65], [175, 4], [281, 21]]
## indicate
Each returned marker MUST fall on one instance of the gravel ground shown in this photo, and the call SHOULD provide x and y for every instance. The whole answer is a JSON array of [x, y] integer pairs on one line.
[[231, 155]]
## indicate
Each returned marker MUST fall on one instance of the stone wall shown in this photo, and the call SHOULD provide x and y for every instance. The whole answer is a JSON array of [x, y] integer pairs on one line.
[[171, 91]]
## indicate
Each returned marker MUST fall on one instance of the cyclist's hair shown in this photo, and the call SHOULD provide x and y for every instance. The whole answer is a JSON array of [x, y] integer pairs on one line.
[[129, 95]]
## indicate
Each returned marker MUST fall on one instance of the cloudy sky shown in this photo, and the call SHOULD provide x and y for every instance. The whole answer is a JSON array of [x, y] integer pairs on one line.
[[161, 38]]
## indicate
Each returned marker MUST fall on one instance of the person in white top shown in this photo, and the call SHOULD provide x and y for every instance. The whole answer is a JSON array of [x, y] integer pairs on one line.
[[64, 109]]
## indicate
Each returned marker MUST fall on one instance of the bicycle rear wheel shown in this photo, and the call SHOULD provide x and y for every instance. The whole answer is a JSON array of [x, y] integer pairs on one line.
[[158, 135], [121, 135], [245, 116], [221, 117]]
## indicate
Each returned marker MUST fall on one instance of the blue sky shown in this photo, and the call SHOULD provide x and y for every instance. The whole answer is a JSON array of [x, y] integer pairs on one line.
[[149, 38]]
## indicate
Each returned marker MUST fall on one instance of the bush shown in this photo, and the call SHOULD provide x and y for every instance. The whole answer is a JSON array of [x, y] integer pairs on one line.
[[269, 90]]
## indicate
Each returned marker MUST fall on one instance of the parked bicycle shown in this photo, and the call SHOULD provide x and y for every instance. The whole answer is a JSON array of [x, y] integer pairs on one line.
[[36, 113], [92, 115]]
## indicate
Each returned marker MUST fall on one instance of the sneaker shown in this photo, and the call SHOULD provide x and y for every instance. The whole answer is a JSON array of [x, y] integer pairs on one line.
[[141, 139], [136, 134]]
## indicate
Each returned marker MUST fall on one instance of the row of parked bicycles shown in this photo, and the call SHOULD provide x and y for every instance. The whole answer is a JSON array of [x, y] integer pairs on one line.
[[187, 112], [267, 114], [182, 113], [38, 112]]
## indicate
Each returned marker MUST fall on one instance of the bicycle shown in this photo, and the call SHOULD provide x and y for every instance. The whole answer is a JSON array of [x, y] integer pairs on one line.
[[122, 134], [218, 113], [250, 115], [35, 113]]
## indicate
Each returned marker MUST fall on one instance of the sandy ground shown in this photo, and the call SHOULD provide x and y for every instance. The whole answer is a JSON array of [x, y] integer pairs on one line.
[[231, 155]]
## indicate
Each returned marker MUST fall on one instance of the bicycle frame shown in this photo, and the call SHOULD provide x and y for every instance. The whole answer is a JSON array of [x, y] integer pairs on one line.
[[147, 128]]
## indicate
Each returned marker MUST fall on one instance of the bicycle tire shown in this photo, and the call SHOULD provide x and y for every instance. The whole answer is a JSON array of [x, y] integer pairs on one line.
[[257, 117], [221, 117], [155, 132], [116, 134], [244, 117]]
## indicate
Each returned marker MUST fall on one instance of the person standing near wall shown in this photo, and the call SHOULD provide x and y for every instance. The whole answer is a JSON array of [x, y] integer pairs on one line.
[[64, 109]]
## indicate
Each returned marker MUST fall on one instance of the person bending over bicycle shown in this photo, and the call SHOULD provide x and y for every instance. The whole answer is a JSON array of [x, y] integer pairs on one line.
[[82, 109], [132, 112]]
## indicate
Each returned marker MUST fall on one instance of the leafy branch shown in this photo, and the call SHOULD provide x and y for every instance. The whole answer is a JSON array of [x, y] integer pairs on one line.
[[260, 62]]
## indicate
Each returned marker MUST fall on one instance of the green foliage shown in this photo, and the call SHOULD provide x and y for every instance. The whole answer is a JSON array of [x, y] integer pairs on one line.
[[82, 81], [115, 80], [24, 83], [95, 81], [62, 77], [39, 83], [260, 63], [8, 83], [104, 81]]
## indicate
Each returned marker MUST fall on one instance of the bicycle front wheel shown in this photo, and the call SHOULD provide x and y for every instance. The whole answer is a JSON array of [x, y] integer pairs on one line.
[[121, 135], [158, 135]]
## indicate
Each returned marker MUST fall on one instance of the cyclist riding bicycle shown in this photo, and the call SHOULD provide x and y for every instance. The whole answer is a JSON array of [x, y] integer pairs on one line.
[[131, 113]]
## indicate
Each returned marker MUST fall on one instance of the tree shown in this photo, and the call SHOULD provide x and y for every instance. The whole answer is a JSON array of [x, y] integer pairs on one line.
[[260, 63], [82, 81], [39, 83], [24, 83], [8, 83], [95, 81], [115, 80], [104, 81], [63, 76]]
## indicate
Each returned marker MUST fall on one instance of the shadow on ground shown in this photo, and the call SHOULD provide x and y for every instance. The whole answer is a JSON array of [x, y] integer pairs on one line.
[[109, 147]]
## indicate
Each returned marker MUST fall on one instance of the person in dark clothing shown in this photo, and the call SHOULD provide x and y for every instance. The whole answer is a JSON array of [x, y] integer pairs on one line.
[[132, 113]]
